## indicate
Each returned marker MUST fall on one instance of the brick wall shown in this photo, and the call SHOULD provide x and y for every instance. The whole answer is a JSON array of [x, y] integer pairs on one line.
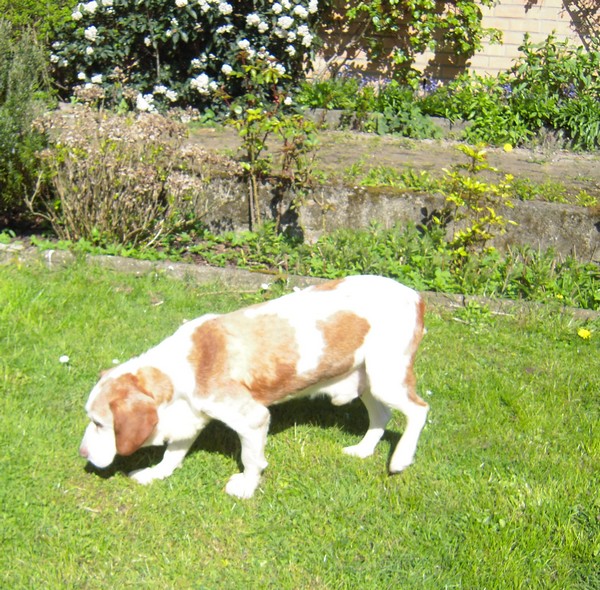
[[576, 20]]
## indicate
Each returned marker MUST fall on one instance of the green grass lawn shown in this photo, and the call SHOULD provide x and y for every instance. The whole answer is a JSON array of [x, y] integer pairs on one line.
[[504, 492]]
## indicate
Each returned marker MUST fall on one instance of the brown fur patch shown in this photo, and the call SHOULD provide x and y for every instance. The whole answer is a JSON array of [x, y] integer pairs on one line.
[[155, 383], [259, 356], [343, 332], [411, 379], [329, 285], [133, 411], [273, 356], [209, 356]]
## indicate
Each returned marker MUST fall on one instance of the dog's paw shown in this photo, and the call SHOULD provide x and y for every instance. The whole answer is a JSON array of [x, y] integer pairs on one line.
[[358, 451], [146, 476], [242, 486]]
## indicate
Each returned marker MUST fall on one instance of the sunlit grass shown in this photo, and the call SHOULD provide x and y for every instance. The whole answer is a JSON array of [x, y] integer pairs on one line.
[[503, 494]]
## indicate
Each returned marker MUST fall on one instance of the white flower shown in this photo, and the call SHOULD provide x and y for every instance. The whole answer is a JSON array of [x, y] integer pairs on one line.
[[90, 7], [226, 69], [145, 102], [276, 8], [159, 89], [171, 95], [77, 15], [201, 84], [107, 3], [91, 33], [291, 36], [204, 6], [224, 29], [286, 4], [290, 50], [96, 79], [280, 68], [288, 101], [307, 40], [169, 33], [285, 22], [81, 76], [196, 64], [244, 44], [300, 11], [263, 27], [54, 59], [147, 41], [303, 30], [313, 6], [252, 19], [64, 359], [279, 32], [89, 50], [225, 8], [181, 3]]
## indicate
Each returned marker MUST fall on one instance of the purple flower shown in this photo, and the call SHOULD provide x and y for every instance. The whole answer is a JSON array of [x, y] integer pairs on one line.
[[430, 85]]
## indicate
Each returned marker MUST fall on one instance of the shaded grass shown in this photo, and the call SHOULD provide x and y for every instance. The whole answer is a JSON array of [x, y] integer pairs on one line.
[[503, 493]]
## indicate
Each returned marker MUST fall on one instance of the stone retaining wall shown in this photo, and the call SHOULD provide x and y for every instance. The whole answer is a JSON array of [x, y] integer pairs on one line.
[[569, 229]]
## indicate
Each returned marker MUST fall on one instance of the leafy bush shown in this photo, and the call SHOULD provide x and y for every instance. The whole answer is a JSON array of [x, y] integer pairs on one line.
[[399, 112], [178, 51], [126, 180], [414, 256], [370, 106], [553, 86], [23, 94], [40, 15]]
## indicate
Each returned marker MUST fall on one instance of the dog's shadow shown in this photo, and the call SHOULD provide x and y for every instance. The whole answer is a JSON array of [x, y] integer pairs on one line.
[[218, 438]]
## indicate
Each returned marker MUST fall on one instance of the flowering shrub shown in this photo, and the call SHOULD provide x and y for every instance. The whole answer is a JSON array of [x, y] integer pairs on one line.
[[179, 51], [121, 179]]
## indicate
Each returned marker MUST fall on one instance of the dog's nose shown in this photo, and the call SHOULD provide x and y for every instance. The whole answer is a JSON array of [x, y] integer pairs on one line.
[[83, 451]]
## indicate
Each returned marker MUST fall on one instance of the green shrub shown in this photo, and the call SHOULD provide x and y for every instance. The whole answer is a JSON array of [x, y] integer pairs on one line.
[[40, 15], [23, 94], [553, 86], [416, 256], [370, 105]]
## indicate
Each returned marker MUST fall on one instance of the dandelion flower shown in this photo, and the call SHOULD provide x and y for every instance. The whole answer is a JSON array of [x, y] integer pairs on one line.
[[508, 148], [584, 333]]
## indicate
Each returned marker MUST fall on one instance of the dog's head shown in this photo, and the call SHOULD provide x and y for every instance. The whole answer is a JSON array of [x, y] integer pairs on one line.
[[123, 413]]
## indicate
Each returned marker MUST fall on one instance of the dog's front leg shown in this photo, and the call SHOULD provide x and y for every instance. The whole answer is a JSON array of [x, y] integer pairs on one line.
[[172, 459], [252, 427]]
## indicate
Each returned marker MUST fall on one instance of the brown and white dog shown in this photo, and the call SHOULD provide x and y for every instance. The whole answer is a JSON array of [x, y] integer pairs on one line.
[[346, 338]]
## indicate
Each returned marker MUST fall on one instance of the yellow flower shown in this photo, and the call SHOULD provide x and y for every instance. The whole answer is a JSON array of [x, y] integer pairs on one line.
[[584, 333], [508, 148]]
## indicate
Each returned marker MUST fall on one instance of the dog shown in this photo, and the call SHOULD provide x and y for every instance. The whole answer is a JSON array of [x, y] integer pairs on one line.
[[346, 338]]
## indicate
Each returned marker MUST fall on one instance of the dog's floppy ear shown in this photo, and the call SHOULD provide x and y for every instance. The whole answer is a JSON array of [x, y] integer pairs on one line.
[[134, 419]]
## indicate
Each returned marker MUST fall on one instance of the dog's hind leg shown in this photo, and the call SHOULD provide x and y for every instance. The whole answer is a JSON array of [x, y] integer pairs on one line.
[[379, 416], [389, 388]]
